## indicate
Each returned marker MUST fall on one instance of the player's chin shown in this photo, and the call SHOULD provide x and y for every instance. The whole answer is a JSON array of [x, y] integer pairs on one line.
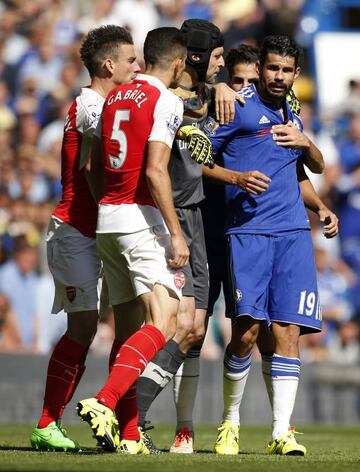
[[211, 80], [277, 93]]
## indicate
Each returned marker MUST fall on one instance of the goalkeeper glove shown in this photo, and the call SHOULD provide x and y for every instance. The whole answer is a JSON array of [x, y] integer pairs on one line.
[[199, 145], [294, 102]]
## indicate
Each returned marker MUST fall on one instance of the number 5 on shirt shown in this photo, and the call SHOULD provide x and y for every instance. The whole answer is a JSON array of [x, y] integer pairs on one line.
[[116, 162]]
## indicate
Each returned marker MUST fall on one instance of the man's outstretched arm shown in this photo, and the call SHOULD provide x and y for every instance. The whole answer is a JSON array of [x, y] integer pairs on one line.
[[254, 181], [314, 203]]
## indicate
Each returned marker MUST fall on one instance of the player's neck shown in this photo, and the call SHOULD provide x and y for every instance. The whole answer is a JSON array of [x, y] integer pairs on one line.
[[189, 80], [163, 75], [270, 100], [102, 86]]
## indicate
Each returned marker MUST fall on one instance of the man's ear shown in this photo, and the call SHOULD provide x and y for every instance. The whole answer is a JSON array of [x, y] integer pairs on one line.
[[297, 72], [195, 57], [257, 67], [177, 62], [108, 66]]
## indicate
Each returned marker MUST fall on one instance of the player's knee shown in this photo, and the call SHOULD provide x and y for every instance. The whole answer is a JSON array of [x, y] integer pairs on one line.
[[199, 334], [287, 340], [242, 343], [249, 338], [84, 336], [184, 327], [166, 327], [293, 332], [196, 336], [245, 332], [82, 326]]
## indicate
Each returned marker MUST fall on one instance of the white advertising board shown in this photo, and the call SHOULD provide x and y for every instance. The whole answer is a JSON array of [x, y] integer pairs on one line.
[[337, 61]]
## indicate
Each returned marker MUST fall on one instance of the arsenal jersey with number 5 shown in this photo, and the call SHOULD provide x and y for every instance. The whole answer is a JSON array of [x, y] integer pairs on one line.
[[134, 114]]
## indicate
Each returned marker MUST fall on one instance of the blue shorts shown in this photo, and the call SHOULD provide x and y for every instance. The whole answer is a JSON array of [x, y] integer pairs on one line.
[[274, 279]]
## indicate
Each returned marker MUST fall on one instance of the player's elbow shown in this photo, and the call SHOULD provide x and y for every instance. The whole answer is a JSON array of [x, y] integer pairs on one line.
[[317, 167], [151, 174], [314, 160], [154, 175]]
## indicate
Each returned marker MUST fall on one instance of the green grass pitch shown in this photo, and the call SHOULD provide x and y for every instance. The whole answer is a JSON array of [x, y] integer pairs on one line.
[[330, 448]]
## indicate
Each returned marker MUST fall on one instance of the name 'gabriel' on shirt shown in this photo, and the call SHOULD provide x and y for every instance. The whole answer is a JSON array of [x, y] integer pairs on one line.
[[137, 95]]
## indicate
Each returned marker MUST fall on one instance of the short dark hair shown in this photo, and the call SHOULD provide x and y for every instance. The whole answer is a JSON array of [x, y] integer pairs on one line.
[[162, 45], [244, 54], [281, 45], [101, 43], [21, 244]]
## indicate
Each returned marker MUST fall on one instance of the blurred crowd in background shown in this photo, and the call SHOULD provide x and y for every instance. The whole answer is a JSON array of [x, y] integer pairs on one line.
[[41, 73]]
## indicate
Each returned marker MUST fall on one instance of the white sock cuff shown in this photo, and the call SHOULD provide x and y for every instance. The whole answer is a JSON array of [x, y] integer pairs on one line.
[[230, 375]]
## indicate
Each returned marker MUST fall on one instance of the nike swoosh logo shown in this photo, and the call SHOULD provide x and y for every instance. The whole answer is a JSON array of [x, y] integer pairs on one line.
[[46, 436]]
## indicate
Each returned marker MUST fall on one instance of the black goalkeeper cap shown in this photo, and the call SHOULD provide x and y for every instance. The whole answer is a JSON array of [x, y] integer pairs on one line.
[[202, 38]]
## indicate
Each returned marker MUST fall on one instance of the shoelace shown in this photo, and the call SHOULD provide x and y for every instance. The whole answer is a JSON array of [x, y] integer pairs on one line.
[[147, 439], [292, 431], [226, 432], [183, 434], [148, 442], [115, 426], [289, 435], [147, 426], [60, 428]]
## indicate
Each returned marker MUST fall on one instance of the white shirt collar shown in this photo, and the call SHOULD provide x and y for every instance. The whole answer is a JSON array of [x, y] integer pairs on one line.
[[151, 80]]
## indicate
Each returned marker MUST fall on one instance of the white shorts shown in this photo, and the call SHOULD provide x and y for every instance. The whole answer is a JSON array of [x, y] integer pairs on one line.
[[135, 262], [75, 265]]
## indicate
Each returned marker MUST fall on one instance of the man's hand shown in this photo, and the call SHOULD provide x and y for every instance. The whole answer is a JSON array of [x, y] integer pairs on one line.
[[180, 255], [225, 98], [331, 222], [289, 135], [254, 182], [199, 145]]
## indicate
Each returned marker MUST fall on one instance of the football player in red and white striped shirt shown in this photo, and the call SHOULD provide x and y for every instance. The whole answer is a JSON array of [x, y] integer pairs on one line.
[[109, 56], [138, 233]]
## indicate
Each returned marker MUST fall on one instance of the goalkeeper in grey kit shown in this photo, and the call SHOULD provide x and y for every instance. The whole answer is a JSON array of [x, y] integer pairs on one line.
[[180, 357]]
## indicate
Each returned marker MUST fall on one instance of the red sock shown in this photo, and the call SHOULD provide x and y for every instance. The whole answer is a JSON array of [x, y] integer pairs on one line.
[[130, 362], [126, 410], [127, 414], [73, 385], [65, 369]]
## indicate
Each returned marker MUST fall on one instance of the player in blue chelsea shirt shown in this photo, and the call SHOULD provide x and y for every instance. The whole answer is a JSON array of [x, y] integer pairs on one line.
[[271, 253], [241, 66]]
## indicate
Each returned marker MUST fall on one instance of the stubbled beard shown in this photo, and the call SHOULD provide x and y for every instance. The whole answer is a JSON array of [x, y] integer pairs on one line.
[[277, 95]]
